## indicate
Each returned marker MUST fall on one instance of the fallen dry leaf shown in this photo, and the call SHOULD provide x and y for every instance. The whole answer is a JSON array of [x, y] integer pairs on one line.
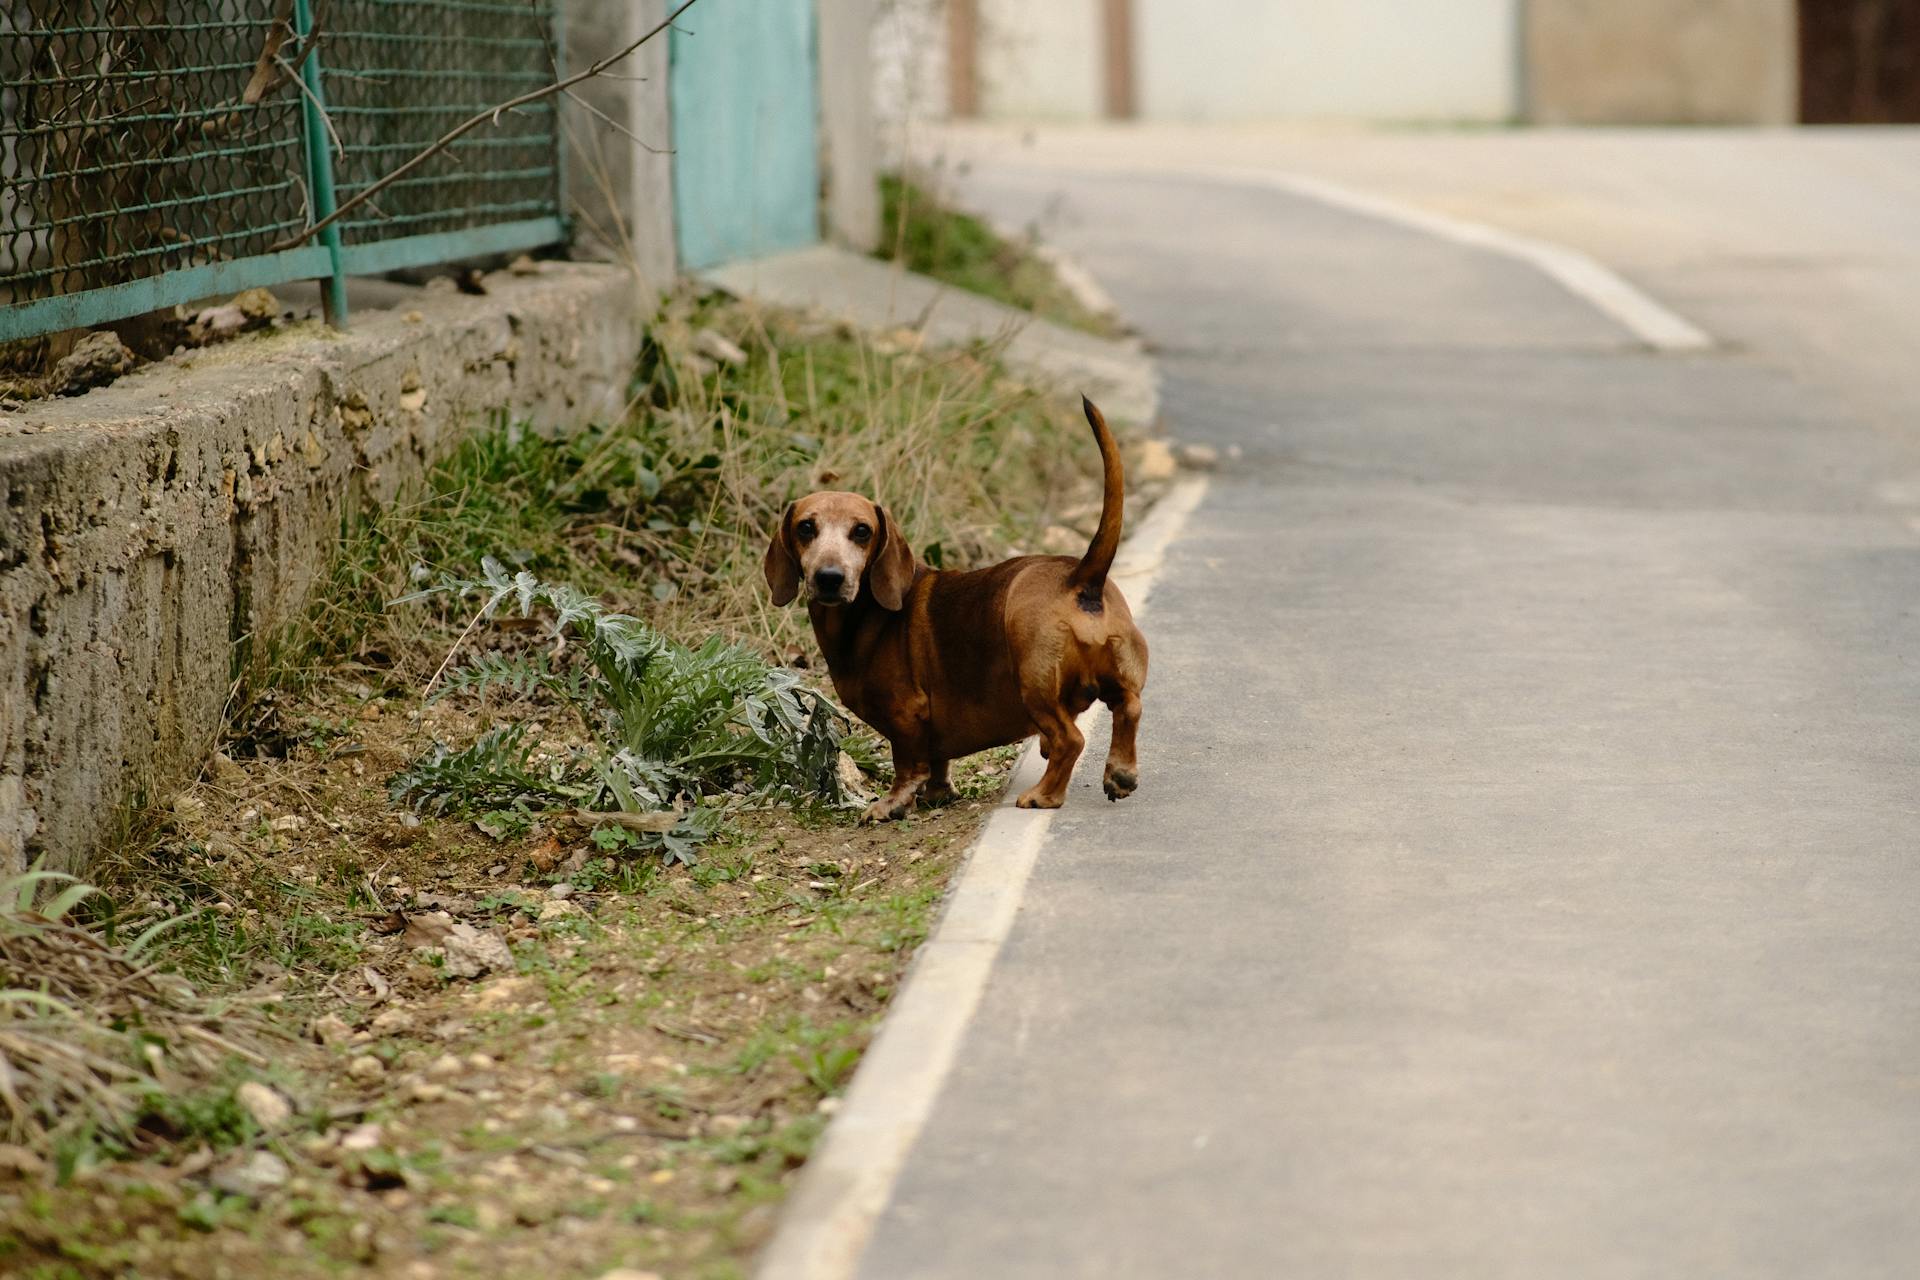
[[546, 855], [466, 952], [643, 822]]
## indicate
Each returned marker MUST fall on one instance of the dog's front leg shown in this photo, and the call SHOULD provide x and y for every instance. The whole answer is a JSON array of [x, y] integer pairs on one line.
[[911, 769]]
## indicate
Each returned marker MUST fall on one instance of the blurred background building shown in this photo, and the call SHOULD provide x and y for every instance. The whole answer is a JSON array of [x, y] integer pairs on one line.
[[1751, 62]]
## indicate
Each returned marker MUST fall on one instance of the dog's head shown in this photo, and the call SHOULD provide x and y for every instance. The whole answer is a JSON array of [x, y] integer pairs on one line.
[[834, 542]]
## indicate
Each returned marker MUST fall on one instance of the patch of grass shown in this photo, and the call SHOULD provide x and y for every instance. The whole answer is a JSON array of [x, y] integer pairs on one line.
[[236, 921], [924, 233], [776, 1147], [211, 1115]]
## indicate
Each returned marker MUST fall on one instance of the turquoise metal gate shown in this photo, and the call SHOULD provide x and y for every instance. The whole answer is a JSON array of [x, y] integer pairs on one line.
[[746, 171]]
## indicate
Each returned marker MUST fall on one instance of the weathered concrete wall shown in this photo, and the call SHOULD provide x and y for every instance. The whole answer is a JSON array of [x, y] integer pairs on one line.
[[620, 140], [147, 526], [849, 145], [1661, 61]]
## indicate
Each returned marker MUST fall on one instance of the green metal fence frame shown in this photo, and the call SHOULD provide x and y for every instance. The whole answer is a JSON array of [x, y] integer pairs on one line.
[[328, 259]]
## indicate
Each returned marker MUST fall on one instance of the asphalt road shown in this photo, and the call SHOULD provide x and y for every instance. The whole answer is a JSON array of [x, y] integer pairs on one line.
[[1523, 878]]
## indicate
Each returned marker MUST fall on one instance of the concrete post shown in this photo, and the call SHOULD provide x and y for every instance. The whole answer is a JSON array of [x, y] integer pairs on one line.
[[849, 144], [620, 141]]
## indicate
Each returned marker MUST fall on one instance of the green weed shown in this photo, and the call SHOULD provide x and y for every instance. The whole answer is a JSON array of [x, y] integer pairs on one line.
[[677, 726], [925, 234]]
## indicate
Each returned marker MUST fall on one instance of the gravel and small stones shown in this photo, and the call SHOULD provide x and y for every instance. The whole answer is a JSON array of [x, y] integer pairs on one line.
[[1197, 457], [717, 346], [1153, 462], [95, 360], [330, 1029], [267, 1105], [253, 1176], [362, 1137]]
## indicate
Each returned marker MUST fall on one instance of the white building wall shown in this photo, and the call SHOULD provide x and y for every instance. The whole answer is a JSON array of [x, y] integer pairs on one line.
[[1041, 59], [1437, 60], [1214, 60], [1375, 60]]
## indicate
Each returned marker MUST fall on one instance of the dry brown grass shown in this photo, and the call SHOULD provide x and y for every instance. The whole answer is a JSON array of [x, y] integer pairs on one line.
[[90, 1029]]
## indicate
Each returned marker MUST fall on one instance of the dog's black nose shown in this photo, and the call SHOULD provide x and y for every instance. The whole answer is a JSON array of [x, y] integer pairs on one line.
[[827, 582]]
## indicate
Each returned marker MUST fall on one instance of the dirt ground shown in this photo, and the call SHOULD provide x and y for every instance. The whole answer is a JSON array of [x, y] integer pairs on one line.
[[631, 1082]]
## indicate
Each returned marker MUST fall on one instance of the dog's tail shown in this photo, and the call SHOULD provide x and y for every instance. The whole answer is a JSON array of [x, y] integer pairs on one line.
[[1090, 575]]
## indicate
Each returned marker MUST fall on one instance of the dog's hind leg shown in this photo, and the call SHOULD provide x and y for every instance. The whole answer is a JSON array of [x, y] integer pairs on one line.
[[1123, 767], [1062, 741]]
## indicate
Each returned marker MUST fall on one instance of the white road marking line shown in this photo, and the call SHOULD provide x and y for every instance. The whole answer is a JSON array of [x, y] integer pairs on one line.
[[850, 1177], [1584, 277]]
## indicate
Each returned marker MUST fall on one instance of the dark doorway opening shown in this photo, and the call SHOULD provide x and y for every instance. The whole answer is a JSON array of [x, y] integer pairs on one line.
[[1860, 61]]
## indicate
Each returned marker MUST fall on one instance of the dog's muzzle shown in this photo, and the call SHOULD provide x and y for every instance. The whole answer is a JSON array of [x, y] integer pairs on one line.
[[829, 586]]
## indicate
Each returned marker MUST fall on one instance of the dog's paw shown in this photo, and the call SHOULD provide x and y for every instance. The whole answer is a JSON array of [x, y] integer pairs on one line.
[[886, 809], [933, 797], [1119, 783], [1034, 798]]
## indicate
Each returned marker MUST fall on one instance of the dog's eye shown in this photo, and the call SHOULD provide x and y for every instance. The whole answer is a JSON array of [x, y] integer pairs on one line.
[[861, 532], [805, 530]]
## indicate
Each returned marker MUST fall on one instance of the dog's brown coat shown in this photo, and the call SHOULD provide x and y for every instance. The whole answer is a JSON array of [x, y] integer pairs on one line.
[[945, 664]]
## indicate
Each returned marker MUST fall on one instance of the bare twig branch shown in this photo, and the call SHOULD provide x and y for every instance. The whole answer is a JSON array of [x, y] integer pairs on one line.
[[466, 126], [616, 126], [339, 148]]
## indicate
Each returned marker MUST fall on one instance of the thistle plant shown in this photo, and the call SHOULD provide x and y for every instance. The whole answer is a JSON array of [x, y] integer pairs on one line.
[[671, 728]]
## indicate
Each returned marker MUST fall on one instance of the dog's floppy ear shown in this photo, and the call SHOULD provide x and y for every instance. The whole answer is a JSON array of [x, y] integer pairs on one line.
[[890, 570], [781, 566]]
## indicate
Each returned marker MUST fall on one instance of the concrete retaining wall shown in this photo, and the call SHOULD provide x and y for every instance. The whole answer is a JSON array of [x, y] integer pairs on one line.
[[147, 526]]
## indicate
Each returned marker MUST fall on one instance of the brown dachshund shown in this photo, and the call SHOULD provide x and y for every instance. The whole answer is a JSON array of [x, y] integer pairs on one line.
[[946, 664]]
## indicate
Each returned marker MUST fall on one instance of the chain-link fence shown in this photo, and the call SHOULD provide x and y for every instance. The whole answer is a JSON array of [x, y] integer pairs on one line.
[[153, 152], [400, 73]]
